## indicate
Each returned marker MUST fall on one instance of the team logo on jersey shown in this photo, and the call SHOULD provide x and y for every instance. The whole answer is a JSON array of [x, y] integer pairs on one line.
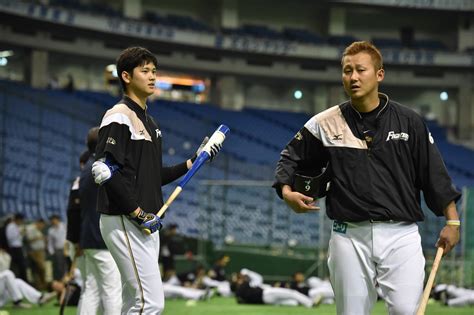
[[339, 227], [299, 136], [397, 136], [158, 133], [337, 137], [111, 141]]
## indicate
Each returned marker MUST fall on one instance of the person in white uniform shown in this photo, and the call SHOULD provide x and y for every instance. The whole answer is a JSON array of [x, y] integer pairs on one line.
[[15, 289], [379, 156]]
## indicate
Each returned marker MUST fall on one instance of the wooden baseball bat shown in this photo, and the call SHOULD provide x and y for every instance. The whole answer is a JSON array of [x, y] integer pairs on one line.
[[429, 284], [65, 294], [168, 202]]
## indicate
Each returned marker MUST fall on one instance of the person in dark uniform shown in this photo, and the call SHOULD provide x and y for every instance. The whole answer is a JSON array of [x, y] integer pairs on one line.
[[98, 269], [130, 170], [218, 270], [381, 157], [248, 293], [169, 246]]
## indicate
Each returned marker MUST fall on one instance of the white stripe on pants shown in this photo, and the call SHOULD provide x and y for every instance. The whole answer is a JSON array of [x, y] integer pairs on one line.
[[136, 256], [387, 254]]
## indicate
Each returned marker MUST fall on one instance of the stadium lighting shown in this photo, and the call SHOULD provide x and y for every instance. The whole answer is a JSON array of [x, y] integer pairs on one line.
[[443, 96], [298, 94], [6, 53], [3, 61]]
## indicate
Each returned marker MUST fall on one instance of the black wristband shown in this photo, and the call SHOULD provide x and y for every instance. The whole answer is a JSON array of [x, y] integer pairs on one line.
[[194, 158]]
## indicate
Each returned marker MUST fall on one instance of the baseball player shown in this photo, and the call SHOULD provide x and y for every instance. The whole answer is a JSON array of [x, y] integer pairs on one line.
[[15, 289], [98, 269], [249, 288], [381, 156], [130, 171]]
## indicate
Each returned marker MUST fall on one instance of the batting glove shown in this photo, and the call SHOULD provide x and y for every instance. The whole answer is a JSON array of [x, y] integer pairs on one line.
[[102, 171], [148, 222], [215, 148]]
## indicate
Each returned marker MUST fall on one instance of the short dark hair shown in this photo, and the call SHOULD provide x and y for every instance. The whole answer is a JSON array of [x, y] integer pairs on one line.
[[133, 57], [19, 216], [84, 157], [92, 137], [55, 216], [364, 46]]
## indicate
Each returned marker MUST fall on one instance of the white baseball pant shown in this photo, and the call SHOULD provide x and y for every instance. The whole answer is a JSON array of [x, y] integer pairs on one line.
[[14, 289], [136, 256], [101, 276], [283, 296], [176, 291], [364, 254]]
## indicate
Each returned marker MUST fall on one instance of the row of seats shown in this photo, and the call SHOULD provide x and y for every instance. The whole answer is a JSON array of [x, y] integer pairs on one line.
[[252, 30], [41, 159]]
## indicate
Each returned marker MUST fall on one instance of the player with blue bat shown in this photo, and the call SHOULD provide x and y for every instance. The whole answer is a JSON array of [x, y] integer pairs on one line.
[[130, 173]]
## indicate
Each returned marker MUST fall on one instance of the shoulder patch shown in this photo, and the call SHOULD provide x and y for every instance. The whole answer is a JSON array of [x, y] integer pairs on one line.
[[122, 114], [331, 128]]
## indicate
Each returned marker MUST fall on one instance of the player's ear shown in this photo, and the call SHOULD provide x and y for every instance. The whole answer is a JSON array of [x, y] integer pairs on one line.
[[380, 75], [126, 77]]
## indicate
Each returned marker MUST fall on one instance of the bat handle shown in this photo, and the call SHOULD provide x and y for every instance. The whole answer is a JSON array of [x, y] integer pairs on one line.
[[168, 202], [429, 283]]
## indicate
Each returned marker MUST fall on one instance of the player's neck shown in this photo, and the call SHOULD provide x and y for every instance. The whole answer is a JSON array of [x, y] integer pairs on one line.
[[367, 104], [140, 100]]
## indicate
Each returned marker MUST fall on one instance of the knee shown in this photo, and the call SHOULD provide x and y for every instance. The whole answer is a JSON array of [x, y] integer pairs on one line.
[[402, 309], [8, 274], [153, 308]]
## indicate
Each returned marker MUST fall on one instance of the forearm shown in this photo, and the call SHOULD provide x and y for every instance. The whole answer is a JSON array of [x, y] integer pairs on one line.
[[285, 189], [171, 173], [450, 211]]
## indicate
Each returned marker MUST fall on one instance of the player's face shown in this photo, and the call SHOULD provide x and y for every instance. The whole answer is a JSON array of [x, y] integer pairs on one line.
[[359, 76], [143, 80]]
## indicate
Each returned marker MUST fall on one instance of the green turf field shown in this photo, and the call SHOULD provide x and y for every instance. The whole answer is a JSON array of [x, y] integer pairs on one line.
[[228, 306]]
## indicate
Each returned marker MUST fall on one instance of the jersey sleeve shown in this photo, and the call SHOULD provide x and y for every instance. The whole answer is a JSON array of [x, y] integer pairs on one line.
[[171, 173], [113, 139], [305, 153], [73, 230], [432, 176], [114, 136]]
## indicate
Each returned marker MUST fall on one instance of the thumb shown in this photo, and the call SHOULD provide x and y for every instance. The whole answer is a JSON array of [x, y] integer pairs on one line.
[[307, 199]]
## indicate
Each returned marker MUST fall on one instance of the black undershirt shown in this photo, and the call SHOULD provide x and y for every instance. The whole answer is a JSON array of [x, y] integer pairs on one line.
[[369, 124]]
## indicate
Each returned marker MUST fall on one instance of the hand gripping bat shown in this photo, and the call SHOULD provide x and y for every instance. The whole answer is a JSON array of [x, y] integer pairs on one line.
[[218, 138]]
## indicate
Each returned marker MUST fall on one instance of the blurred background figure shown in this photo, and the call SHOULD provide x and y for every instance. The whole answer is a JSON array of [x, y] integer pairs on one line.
[[56, 240], [15, 231], [170, 244], [36, 244]]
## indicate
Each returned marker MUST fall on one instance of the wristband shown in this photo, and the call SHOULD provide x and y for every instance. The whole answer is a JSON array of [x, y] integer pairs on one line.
[[453, 222]]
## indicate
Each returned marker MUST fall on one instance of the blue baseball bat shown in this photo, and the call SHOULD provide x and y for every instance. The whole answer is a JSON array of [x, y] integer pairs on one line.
[[217, 137]]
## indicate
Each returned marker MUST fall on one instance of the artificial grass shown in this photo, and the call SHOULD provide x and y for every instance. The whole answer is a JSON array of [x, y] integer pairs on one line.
[[228, 306]]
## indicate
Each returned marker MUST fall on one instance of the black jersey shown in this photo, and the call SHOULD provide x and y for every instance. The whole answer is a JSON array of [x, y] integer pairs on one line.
[[246, 294], [132, 139], [378, 168], [73, 213], [90, 236]]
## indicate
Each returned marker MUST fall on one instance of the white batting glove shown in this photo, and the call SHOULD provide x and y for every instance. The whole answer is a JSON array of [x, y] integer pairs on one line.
[[102, 172], [215, 148], [201, 146]]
